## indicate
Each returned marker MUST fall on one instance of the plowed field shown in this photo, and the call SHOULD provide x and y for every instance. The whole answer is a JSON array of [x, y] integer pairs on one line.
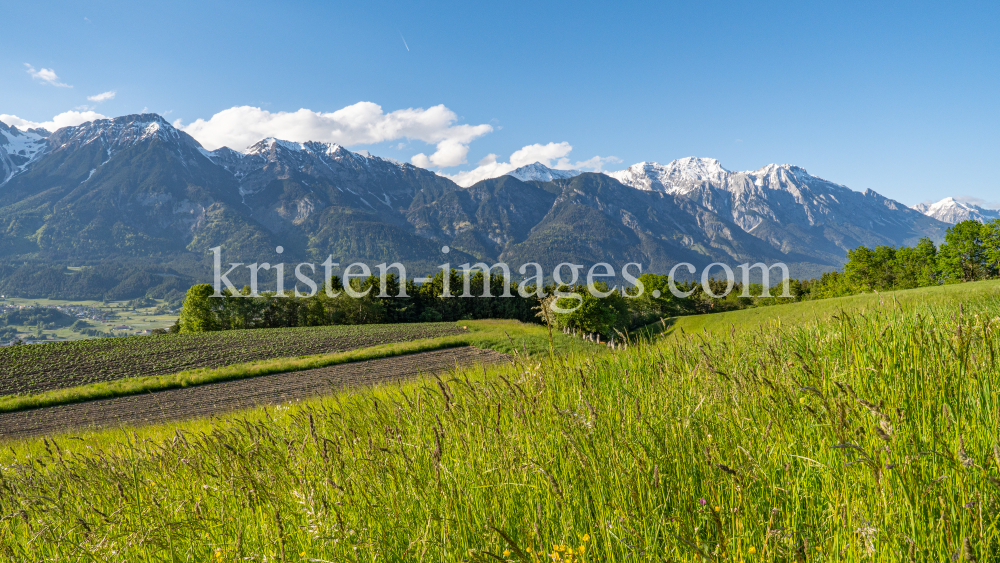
[[44, 367], [214, 398]]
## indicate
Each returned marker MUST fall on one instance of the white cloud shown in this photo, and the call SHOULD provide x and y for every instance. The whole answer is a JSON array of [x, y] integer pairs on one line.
[[65, 119], [102, 97], [553, 155], [359, 124], [46, 75]]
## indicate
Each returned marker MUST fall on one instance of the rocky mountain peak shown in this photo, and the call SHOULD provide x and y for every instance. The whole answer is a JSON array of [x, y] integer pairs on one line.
[[121, 132], [537, 171], [952, 210], [677, 176]]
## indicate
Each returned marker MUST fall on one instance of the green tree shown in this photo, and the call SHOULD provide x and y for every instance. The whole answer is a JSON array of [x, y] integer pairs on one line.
[[601, 315], [197, 314], [861, 269], [832, 284], [962, 256], [656, 301], [991, 245], [916, 266]]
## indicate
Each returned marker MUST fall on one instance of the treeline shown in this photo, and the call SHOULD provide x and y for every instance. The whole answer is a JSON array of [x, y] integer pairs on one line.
[[333, 304], [970, 252]]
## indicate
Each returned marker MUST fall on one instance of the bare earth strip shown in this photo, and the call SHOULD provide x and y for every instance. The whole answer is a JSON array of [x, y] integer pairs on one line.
[[215, 398]]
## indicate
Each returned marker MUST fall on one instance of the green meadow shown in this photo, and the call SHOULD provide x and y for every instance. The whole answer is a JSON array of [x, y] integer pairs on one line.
[[820, 310], [853, 429]]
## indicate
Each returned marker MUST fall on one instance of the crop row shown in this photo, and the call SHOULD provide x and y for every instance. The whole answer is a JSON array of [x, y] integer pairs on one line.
[[44, 367]]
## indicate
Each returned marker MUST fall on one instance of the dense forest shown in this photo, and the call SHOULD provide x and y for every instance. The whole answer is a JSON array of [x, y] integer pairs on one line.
[[112, 281]]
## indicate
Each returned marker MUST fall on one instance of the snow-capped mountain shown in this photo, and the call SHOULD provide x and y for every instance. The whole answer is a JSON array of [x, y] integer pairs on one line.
[[137, 187], [18, 149], [784, 205], [538, 172], [951, 210], [783, 194], [678, 176], [686, 174], [114, 135]]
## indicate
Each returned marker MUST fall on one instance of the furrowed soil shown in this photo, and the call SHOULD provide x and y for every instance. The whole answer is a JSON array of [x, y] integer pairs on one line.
[[46, 367], [216, 398]]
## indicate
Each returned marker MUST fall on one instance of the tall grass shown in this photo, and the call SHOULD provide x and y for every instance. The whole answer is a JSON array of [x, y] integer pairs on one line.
[[868, 437], [806, 312]]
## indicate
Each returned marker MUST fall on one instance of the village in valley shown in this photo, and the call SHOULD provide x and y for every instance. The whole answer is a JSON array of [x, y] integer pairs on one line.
[[33, 321]]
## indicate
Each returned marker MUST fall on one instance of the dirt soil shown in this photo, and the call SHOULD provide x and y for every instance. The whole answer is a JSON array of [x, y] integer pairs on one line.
[[216, 398], [44, 367]]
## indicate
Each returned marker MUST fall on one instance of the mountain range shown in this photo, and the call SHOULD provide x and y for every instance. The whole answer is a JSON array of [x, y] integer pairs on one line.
[[136, 189]]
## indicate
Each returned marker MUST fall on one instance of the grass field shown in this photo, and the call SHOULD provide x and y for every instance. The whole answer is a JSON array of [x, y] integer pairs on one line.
[[859, 432], [810, 312]]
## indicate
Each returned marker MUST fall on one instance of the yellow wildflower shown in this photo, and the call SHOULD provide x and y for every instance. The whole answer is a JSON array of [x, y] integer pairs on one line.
[[506, 553], [586, 537], [752, 550]]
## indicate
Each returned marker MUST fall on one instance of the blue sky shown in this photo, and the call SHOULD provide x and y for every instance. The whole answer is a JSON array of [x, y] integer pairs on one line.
[[897, 97]]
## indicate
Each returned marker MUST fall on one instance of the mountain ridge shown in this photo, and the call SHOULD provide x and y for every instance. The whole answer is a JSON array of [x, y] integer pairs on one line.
[[538, 172], [135, 187]]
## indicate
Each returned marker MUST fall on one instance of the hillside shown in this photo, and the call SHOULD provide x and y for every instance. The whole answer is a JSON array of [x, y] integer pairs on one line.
[[807, 313]]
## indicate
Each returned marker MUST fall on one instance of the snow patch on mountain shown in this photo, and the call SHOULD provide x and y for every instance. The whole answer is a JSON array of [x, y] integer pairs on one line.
[[120, 132], [270, 159], [686, 174], [19, 149], [951, 210], [115, 135], [538, 172]]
